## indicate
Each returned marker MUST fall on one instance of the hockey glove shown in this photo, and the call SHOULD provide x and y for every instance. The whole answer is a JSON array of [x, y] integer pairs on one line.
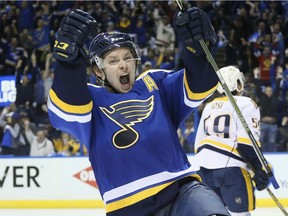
[[192, 26], [261, 179], [74, 29]]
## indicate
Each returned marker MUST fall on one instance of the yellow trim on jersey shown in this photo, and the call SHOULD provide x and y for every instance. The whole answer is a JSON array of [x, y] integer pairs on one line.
[[219, 145], [249, 188], [76, 109], [142, 74], [224, 98], [135, 198], [197, 96], [247, 141], [140, 196]]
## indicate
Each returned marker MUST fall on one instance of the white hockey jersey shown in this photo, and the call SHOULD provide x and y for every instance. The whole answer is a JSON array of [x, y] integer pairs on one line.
[[220, 131]]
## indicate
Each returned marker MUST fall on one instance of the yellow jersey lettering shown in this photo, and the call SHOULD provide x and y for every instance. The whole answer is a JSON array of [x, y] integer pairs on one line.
[[61, 45], [217, 105], [150, 84]]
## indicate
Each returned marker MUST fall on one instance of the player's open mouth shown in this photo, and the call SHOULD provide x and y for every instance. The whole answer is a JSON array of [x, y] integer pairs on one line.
[[125, 79]]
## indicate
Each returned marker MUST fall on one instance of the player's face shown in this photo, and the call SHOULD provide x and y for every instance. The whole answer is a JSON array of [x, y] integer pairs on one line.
[[119, 67]]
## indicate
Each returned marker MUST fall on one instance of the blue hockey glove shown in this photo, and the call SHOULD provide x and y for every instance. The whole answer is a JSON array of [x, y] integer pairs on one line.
[[74, 29], [192, 26], [261, 179]]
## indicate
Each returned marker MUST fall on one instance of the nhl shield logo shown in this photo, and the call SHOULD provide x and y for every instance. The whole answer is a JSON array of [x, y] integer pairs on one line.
[[238, 200]]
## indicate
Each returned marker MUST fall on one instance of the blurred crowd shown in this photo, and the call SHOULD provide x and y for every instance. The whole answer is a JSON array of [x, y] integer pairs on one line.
[[252, 35]]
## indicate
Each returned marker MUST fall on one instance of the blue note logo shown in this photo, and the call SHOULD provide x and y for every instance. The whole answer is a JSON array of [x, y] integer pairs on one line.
[[126, 114]]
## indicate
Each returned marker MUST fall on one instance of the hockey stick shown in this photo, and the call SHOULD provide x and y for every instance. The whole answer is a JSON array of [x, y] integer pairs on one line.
[[242, 119]]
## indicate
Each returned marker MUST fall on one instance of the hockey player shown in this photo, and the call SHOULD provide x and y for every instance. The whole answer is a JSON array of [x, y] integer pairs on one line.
[[130, 125], [223, 148]]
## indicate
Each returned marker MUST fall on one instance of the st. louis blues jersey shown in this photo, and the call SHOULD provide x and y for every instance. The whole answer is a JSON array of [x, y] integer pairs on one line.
[[221, 134], [132, 138]]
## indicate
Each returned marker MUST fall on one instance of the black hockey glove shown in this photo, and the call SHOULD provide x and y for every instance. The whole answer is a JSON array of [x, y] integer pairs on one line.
[[261, 179], [74, 29], [192, 26]]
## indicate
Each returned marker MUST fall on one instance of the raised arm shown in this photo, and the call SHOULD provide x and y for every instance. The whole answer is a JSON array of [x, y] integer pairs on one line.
[[191, 26], [69, 101]]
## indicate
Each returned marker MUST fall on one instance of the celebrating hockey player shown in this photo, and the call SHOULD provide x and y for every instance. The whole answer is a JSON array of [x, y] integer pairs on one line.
[[130, 125], [224, 150]]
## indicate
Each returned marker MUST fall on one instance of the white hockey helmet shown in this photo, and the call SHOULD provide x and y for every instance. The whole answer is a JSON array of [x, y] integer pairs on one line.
[[234, 79]]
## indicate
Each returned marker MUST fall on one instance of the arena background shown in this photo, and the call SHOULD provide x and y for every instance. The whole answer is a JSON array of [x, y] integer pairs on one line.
[[43, 186]]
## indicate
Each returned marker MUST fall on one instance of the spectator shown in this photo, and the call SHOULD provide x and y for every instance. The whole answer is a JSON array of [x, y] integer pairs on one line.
[[250, 87], [41, 38], [12, 54], [51, 132], [187, 134], [66, 145], [246, 59], [25, 122], [165, 35], [150, 55], [41, 89], [124, 24], [40, 145], [264, 61], [167, 60], [147, 66], [110, 26], [26, 15], [278, 40], [13, 141], [24, 85], [140, 31], [268, 102], [260, 30], [26, 40]]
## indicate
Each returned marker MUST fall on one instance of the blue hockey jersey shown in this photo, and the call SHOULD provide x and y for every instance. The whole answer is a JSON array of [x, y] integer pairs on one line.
[[132, 138]]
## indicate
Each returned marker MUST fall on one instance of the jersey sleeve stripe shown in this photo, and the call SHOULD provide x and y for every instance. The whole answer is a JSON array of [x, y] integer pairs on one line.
[[75, 109], [196, 96], [189, 102], [68, 117], [246, 141]]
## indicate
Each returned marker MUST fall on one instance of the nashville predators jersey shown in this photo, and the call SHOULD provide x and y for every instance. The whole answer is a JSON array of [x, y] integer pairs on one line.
[[221, 132], [131, 138]]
